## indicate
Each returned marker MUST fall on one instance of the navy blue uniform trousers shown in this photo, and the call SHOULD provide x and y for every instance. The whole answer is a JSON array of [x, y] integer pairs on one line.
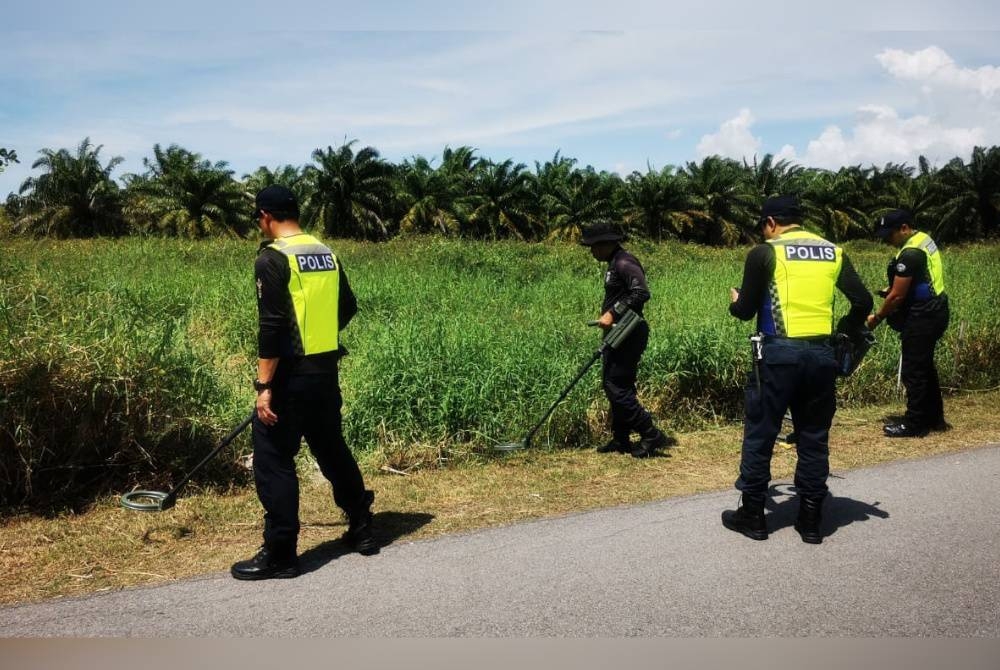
[[620, 369], [801, 376], [307, 406], [919, 337]]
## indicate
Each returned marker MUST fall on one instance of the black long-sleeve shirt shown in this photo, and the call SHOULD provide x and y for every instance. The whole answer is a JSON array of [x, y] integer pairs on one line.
[[277, 335], [625, 282], [758, 271]]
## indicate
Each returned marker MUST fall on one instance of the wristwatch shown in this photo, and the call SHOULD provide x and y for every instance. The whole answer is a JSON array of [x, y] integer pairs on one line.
[[260, 386]]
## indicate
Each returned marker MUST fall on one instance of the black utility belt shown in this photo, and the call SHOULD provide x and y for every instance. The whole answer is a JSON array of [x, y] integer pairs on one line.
[[821, 340]]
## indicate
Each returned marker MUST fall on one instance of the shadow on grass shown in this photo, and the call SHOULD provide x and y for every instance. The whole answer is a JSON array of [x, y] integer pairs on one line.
[[838, 512], [389, 527]]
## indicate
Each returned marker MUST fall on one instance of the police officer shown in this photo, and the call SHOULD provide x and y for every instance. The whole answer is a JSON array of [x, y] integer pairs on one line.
[[624, 288], [916, 306], [788, 283], [303, 301]]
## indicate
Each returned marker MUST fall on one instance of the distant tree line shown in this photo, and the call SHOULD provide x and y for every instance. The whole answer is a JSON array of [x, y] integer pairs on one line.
[[353, 192]]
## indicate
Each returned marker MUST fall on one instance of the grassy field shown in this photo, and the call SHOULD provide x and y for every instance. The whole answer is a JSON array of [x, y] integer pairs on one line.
[[122, 361]]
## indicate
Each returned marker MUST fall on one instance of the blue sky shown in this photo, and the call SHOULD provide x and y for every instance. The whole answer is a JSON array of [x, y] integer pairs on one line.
[[822, 93]]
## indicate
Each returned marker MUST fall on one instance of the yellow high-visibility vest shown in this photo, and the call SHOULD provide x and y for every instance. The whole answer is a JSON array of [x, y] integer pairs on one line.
[[800, 300], [935, 266], [315, 289]]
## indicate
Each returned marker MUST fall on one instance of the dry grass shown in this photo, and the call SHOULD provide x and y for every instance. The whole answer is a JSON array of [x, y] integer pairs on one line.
[[111, 548]]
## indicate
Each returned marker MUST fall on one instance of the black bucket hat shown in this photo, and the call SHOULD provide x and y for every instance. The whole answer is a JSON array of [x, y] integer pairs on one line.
[[600, 232]]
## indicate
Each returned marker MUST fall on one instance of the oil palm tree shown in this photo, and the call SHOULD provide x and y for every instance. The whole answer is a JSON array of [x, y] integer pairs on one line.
[[719, 196], [426, 198], [969, 196], [73, 197], [501, 202], [657, 205], [184, 195], [351, 192], [583, 198]]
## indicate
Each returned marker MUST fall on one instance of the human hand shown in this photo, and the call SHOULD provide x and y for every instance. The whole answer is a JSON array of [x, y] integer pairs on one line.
[[264, 412]]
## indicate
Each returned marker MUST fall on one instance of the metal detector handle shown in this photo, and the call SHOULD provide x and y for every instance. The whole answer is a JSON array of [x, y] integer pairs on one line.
[[621, 329], [172, 494]]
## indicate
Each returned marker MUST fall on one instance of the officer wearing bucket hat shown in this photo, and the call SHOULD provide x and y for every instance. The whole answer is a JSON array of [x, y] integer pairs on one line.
[[298, 389], [788, 284], [916, 306], [624, 288]]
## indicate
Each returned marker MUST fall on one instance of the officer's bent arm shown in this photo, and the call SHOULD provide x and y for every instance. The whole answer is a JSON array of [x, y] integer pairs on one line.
[[857, 294], [897, 296], [636, 290], [757, 273]]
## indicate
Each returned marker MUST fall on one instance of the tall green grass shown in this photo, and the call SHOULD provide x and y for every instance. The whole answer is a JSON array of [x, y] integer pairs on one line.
[[122, 361]]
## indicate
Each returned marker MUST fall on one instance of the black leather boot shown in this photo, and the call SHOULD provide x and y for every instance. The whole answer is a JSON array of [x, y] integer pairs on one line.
[[652, 440], [809, 519], [267, 564], [360, 534], [904, 430], [617, 444], [748, 518]]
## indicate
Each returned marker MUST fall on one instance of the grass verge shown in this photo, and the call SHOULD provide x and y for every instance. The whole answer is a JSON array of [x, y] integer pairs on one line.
[[109, 548]]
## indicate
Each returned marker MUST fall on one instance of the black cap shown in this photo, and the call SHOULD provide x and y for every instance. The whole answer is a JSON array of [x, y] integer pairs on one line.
[[781, 207], [892, 221], [600, 232], [276, 198]]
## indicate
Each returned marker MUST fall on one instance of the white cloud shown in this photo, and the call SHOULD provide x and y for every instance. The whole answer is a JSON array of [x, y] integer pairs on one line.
[[734, 139], [933, 66], [880, 135]]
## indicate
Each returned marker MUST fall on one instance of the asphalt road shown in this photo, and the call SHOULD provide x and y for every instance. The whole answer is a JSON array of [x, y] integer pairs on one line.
[[913, 549]]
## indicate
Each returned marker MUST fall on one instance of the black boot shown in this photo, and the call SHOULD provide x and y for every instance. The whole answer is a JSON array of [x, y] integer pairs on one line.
[[652, 440], [904, 430], [809, 519], [617, 444], [748, 518], [267, 564], [360, 533]]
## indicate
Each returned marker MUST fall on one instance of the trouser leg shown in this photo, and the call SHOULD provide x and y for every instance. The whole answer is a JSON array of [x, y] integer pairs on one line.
[[325, 437], [924, 406], [764, 410], [274, 449], [813, 406], [620, 370]]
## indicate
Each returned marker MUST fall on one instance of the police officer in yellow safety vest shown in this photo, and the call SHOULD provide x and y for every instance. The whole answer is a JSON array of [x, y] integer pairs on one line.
[[916, 306], [789, 283], [303, 301]]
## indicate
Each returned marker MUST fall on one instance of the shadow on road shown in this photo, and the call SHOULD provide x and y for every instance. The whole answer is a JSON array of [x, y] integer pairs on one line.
[[838, 512], [389, 527]]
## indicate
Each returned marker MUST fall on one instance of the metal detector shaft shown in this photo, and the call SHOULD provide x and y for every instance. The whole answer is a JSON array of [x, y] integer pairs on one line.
[[172, 494], [618, 333], [158, 501], [562, 396]]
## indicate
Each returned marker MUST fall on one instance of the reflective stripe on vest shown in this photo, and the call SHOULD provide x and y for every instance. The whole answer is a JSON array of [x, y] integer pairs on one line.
[[935, 267], [315, 289], [800, 300]]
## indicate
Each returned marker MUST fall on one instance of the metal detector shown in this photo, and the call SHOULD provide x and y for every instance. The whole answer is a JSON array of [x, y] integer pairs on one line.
[[617, 334], [158, 501]]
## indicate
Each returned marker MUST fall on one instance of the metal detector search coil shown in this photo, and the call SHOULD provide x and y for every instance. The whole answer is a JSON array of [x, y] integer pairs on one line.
[[158, 501]]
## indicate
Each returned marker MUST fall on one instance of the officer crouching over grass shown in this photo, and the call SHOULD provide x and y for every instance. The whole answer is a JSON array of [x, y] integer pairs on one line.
[[788, 283], [298, 389], [624, 288], [916, 306]]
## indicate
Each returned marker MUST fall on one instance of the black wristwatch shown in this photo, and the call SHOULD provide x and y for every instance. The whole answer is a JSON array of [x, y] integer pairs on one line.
[[260, 386]]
